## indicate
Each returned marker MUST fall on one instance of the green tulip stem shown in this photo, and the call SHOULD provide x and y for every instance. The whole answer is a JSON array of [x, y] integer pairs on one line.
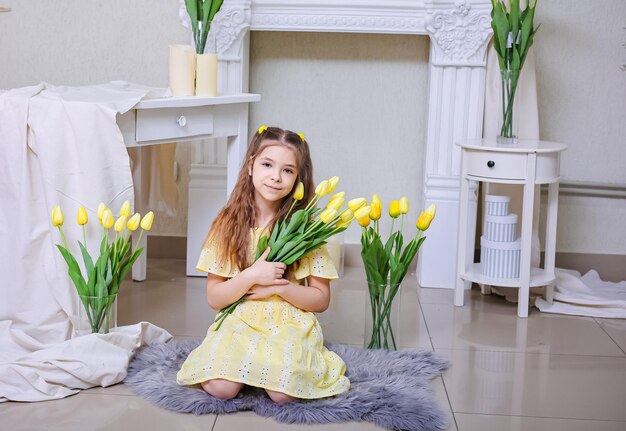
[[290, 208], [393, 220], [63, 237], [312, 202], [84, 237], [139, 240], [402, 223]]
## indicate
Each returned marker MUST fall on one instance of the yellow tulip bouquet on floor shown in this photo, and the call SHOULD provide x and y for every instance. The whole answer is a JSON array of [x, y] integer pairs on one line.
[[386, 264], [306, 229], [98, 288]]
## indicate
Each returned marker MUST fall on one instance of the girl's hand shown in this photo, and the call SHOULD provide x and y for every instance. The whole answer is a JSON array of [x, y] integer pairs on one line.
[[261, 292], [267, 273]]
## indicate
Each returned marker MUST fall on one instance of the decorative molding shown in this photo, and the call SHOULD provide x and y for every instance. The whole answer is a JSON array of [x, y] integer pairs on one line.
[[354, 16], [459, 36], [228, 26]]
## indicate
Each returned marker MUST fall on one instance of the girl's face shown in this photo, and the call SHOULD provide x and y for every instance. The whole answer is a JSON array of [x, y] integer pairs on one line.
[[274, 173]]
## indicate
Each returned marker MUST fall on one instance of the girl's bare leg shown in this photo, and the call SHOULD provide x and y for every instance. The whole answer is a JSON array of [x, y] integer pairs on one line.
[[222, 389], [279, 397]]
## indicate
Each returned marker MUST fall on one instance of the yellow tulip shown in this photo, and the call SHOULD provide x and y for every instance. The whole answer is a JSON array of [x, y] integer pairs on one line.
[[298, 194], [365, 222], [376, 207], [81, 217], [338, 195], [120, 224], [336, 202], [347, 215], [133, 222], [125, 210], [146, 221], [332, 184], [328, 215], [404, 205], [394, 209], [343, 224], [425, 218], [356, 203], [57, 216], [362, 215], [107, 218], [101, 208], [322, 188]]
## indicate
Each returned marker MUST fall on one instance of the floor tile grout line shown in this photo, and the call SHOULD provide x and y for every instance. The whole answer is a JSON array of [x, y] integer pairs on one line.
[[443, 382], [542, 417], [532, 353], [215, 422], [609, 335]]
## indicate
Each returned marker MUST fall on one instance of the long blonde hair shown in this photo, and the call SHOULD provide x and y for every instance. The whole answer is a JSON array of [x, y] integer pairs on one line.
[[231, 228]]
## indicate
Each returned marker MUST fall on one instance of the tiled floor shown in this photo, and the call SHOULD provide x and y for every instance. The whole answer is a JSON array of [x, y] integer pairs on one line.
[[547, 372]]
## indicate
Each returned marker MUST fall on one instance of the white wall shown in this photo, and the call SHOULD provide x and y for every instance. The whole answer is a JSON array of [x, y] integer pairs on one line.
[[359, 99], [582, 102]]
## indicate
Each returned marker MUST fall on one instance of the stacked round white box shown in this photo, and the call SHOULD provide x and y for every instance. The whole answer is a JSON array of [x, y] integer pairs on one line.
[[499, 249]]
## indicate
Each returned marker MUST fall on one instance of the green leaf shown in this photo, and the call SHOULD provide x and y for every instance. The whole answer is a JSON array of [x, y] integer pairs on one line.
[[260, 248], [192, 10], [86, 258], [500, 25], [514, 18], [127, 266], [215, 7], [79, 281]]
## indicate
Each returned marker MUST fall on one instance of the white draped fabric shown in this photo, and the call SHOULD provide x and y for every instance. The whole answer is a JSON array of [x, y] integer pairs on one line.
[[60, 145]]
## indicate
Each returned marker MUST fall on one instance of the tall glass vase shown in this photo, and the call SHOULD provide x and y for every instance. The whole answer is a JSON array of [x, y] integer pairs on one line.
[[97, 314], [508, 115], [382, 316]]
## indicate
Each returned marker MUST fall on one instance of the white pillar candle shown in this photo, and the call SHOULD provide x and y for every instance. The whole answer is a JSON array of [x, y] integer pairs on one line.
[[182, 70], [206, 75]]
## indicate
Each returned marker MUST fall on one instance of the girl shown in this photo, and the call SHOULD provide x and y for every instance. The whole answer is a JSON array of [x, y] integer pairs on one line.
[[272, 340]]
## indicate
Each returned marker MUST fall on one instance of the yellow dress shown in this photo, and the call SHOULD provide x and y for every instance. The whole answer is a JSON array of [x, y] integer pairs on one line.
[[269, 343]]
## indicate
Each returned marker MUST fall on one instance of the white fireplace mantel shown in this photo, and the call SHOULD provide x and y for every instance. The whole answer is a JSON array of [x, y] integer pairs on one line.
[[459, 32]]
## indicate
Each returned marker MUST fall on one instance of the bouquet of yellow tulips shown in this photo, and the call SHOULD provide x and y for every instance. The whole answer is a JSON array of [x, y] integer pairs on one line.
[[99, 287], [306, 229], [387, 264]]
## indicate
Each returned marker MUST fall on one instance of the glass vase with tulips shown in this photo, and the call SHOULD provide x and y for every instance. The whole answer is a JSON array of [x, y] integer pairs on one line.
[[98, 286], [386, 264], [513, 35], [299, 233]]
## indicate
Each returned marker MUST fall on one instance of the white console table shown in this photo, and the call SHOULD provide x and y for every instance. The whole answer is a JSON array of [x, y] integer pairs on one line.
[[172, 119], [529, 162]]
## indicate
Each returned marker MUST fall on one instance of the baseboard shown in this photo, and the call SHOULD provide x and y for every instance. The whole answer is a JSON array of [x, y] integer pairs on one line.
[[611, 267]]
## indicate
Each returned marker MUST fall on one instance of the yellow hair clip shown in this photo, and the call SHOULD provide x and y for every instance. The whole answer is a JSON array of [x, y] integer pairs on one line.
[[301, 136], [262, 129]]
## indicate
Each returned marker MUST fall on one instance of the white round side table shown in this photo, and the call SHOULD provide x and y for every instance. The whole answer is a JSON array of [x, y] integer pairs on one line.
[[529, 162]]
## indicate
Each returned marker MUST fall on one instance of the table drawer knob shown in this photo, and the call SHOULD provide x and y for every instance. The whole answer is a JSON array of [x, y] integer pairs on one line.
[[491, 164], [182, 121]]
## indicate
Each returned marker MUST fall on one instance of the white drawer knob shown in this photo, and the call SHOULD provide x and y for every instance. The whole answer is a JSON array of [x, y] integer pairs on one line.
[[182, 121]]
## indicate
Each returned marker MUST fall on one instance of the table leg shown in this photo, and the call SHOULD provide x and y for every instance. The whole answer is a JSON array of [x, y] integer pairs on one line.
[[138, 272], [462, 238], [553, 206], [526, 240]]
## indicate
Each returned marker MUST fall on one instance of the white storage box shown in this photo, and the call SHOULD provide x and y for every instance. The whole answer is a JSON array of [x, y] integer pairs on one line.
[[497, 204], [500, 228], [499, 259]]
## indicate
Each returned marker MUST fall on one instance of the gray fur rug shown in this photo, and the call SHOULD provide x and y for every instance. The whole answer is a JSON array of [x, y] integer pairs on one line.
[[390, 389]]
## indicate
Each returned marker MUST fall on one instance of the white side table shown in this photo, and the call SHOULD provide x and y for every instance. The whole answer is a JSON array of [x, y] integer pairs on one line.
[[171, 119], [529, 162]]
